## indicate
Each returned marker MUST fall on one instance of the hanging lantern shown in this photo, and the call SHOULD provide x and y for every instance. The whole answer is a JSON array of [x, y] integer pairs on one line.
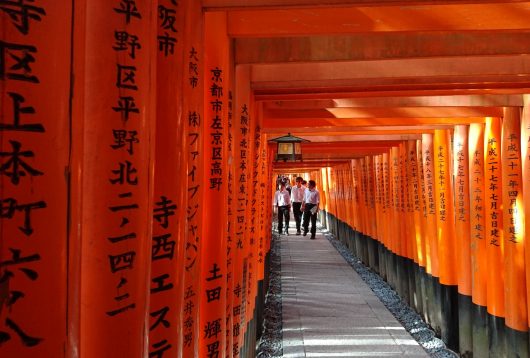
[[289, 148]]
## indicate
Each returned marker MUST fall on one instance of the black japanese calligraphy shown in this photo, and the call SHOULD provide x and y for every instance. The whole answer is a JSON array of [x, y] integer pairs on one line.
[[17, 111], [21, 12], [15, 167]]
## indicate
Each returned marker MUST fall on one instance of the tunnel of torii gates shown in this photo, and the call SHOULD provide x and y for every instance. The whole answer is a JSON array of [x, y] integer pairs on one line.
[[136, 173]]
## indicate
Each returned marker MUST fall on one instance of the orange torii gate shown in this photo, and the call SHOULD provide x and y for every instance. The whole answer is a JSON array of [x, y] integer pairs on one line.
[[135, 175]]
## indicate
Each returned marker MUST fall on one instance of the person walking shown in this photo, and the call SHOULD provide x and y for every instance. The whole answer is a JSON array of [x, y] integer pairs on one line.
[[297, 198], [310, 208], [287, 184], [282, 201]]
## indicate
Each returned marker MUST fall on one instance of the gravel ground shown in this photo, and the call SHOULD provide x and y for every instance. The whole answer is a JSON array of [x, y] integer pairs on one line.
[[270, 344], [411, 320]]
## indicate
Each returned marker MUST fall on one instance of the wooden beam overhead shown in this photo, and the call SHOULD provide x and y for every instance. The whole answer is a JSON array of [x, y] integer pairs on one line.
[[500, 100], [363, 19], [296, 123], [377, 142], [380, 46], [335, 135], [267, 4], [446, 70], [400, 112], [294, 167], [316, 93], [381, 136], [375, 73]]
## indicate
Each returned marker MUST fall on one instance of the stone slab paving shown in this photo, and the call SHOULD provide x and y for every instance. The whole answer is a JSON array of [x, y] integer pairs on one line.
[[328, 310]]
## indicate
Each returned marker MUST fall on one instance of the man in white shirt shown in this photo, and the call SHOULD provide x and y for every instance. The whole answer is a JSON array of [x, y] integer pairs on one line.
[[310, 208], [282, 200], [297, 197]]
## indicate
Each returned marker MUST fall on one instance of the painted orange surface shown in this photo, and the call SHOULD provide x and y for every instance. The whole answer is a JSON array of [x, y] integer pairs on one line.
[[420, 214], [263, 229], [230, 229], [193, 110], [462, 218], [431, 244], [117, 180], [170, 193], [253, 225], [494, 220], [371, 196], [407, 230], [513, 219], [34, 146], [525, 151], [337, 20], [378, 165], [333, 123], [217, 78], [357, 195], [242, 154], [478, 245], [447, 249], [387, 201], [412, 177], [397, 245]]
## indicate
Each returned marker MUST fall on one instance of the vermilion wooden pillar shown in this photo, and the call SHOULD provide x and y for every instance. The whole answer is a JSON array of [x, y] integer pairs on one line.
[[462, 228], [408, 230], [350, 205], [431, 238], [230, 231], [397, 243], [358, 217], [170, 187], [371, 196], [446, 236], [419, 206], [251, 284], [393, 162], [403, 265], [378, 196], [494, 236], [259, 261], [415, 194], [478, 239], [242, 156], [194, 74], [340, 199], [513, 219], [356, 201], [34, 177], [381, 217], [116, 107], [387, 213], [345, 202], [414, 219], [424, 259], [263, 229], [212, 319], [525, 151]]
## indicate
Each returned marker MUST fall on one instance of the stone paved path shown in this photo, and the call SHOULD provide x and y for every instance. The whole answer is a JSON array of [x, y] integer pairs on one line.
[[328, 311]]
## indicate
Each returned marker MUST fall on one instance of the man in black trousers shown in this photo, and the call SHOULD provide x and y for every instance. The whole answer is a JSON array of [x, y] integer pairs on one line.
[[297, 197], [310, 208], [282, 201]]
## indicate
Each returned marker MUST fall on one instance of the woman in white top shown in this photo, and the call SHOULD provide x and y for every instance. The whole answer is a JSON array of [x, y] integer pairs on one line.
[[310, 208], [282, 200]]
